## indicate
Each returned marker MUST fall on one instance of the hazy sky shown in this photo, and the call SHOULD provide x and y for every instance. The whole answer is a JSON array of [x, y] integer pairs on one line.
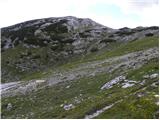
[[111, 13]]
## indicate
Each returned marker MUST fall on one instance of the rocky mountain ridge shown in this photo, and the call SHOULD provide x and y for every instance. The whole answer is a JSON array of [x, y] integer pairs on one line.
[[70, 67], [58, 39]]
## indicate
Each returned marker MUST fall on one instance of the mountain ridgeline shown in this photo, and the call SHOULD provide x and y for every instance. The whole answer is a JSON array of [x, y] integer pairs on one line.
[[36, 45], [68, 67]]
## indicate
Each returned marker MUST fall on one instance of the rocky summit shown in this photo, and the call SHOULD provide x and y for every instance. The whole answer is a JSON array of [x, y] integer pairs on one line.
[[68, 67]]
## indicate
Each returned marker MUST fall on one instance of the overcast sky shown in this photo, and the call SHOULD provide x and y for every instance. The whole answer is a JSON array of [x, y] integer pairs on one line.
[[111, 13]]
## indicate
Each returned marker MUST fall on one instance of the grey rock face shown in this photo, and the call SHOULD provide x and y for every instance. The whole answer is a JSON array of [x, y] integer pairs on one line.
[[50, 41], [110, 84], [127, 34]]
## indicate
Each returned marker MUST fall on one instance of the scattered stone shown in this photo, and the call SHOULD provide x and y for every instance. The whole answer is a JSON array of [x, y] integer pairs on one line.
[[156, 95], [155, 75], [155, 84], [40, 81], [61, 105], [93, 74], [146, 76], [68, 86], [114, 81], [157, 103], [152, 76], [143, 82], [68, 107], [126, 85], [31, 114], [77, 101], [140, 94], [9, 106]]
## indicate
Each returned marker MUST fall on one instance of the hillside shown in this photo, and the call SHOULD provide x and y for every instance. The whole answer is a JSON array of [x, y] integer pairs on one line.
[[70, 67]]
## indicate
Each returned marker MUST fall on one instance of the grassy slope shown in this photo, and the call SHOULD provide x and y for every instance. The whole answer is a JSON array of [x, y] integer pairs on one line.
[[134, 107], [46, 103], [13, 56], [118, 50]]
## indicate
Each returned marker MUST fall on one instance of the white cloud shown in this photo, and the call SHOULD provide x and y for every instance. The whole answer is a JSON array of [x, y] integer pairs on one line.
[[15, 11], [150, 16], [147, 12]]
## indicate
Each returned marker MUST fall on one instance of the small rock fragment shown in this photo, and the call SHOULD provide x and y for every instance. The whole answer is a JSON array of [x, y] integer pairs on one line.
[[40, 81], [68, 107], [126, 85], [114, 81], [140, 94], [143, 82], [9, 106], [156, 95], [61, 105], [68, 86], [146, 76], [154, 75]]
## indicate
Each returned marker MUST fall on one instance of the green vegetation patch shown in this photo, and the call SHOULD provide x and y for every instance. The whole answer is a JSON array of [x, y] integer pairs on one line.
[[117, 49], [49, 102]]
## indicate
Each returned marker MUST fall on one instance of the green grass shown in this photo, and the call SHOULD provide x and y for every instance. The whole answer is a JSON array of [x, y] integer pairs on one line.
[[147, 69], [132, 46], [117, 50], [14, 56], [133, 107], [46, 103]]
